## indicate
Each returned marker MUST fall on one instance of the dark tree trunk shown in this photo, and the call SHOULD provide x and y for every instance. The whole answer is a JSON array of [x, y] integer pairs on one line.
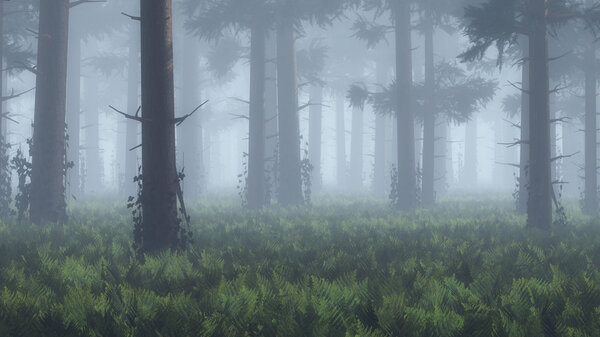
[[591, 185], [356, 149], [256, 151], [132, 134], [160, 227], [315, 135], [340, 129], [290, 184], [404, 113], [428, 194], [524, 145], [539, 205], [48, 151], [94, 168], [74, 111]]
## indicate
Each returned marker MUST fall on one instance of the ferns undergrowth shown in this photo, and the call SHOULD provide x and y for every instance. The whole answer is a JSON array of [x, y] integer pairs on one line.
[[336, 269]]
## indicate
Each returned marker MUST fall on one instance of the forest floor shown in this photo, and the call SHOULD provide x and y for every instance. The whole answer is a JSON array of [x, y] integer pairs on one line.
[[467, 267]]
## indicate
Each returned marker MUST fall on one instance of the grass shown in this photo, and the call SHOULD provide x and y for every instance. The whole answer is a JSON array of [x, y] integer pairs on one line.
[[349, 267]]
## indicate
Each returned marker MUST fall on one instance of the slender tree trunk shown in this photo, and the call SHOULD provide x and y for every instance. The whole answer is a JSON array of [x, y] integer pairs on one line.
[[48, 151], [591, 184], [379, 169], [356, 150], [74, 111], [133, 84], [404, 113], [290, 184], [160, 227], [428, 194], [315, 135], [271, 130], [469, 173], [441, 154], [340, 128], [539, 205], [524, 145], [190, 132], [93, 162], [256, 151]]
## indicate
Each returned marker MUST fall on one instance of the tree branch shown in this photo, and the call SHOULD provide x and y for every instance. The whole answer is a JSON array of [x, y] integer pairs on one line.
[[180, 120], [135, 118]]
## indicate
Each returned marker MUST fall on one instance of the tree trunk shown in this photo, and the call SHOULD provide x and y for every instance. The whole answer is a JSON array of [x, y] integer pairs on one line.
[[404, 113], [379, 169], [356, 150], [48, 150], [539, 205], [591, 185], [133, 82], [74, 112], [340, 129], [190, 132], [290, 184], [256, 150], [160, 227], [315, 136], [469, 174], [524, 145], [428, 194], [271, 130], [441, 155], [94, 169]]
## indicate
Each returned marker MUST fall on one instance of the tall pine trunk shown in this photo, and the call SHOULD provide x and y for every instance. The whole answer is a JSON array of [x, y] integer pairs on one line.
[[256, 150], [271, 120], [315, 135], [428, 194], [48, 150], [404, 114], [290, 184], [523, 195], [94, 169], [469, 173], [591, 184], [340, 136], [74, 111], [356, 148], [379, 167], [539, 205], [160, 227], [133, 84]]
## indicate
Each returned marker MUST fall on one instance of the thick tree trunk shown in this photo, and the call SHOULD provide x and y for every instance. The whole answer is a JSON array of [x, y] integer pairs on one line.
[[132, 134], [160, 227], [315, 136], [539, 205], [428, 194], [290, 184], [74, 112], [94, 168], [271, 129], [48, 151], [404, 113], [256, 150], [591, 185], [340, 129], [356, 149], [524, 145]]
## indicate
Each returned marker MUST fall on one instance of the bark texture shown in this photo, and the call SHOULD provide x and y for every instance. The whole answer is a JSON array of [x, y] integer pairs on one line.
[[74, 112], [428, 194], [591, 185], [132, 134], [160, 227], [48, 150], [539, 205], [524, 145]]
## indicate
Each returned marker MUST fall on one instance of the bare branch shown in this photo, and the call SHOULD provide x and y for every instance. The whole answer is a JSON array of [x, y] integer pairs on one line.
[[80, 2], [563, 156], [518, 88], [136, 18], [135, 118], [135, 147], [519, 142], [13, 95], [180, 120], [509, 164]]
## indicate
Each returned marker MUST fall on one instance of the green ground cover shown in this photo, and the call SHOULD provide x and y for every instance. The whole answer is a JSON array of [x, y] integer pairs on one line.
[[341, 268]]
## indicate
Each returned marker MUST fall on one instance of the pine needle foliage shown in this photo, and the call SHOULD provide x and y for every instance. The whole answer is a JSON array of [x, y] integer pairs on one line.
[[351, 268]]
